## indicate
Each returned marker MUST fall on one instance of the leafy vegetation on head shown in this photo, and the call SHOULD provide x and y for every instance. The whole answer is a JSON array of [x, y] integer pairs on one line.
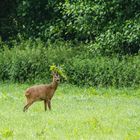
[[59, 70]]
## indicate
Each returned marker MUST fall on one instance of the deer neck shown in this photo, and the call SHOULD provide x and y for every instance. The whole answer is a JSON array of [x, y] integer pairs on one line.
[[54, 85]]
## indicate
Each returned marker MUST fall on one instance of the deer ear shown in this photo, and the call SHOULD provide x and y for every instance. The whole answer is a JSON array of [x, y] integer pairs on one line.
[[56, 74], [53, 73]]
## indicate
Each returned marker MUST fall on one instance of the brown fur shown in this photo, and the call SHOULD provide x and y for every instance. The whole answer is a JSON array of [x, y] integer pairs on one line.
[[42, 92]]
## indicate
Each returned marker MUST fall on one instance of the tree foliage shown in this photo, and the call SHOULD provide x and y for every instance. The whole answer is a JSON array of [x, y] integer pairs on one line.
[[111, 25]]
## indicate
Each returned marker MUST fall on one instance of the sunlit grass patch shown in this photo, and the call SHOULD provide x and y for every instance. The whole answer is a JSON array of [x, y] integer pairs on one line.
[[6, 133]]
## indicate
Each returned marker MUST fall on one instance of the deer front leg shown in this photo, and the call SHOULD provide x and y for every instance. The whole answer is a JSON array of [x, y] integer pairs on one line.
[[45, 105], [49, 104]]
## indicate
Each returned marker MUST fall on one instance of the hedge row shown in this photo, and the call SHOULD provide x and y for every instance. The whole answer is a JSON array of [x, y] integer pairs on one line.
[[31, 64]]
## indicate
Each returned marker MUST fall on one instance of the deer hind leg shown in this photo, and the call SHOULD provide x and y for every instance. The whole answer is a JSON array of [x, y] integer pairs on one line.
[[29, 103], [45, 105]]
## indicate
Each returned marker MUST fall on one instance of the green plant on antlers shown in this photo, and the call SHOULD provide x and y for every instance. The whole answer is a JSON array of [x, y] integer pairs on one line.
[[59, 70]]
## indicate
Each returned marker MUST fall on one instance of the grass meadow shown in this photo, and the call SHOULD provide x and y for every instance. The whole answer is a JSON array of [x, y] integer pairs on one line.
[[78, 113]]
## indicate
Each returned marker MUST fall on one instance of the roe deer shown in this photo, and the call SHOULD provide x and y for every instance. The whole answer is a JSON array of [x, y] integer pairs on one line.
[[43, 92]]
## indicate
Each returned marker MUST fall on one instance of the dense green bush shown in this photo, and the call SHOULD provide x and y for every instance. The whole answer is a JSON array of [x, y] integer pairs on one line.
[[105, 71], [30, 60], [21, 65]]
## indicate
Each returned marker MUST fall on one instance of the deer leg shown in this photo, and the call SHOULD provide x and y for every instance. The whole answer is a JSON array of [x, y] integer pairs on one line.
[[27, 106], [45, 105], [49, 104]]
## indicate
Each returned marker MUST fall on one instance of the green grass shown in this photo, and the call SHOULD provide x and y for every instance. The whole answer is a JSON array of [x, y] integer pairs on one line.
[[77, 114]]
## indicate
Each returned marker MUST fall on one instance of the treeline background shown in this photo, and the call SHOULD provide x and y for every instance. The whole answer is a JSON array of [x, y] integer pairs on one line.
[[97, 41]]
